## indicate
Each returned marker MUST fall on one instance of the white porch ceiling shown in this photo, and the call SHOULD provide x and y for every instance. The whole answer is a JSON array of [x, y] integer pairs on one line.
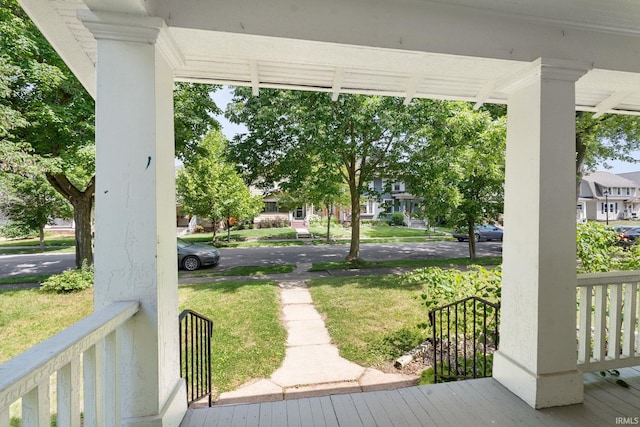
[[456, 49]]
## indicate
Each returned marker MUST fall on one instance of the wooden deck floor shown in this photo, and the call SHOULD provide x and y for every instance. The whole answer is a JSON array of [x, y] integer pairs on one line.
[[481, 402]]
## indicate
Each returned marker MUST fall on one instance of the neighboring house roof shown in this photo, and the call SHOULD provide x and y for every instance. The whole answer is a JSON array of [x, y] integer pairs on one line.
[[632, 176], [594, 184]]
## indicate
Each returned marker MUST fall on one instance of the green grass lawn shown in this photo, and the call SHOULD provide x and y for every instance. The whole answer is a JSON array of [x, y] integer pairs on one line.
[[248, 340], [248, 337], [28, 317], [409, 263], [372, 320], [241, 271], [28, 278], [49, 240], [30, 250]]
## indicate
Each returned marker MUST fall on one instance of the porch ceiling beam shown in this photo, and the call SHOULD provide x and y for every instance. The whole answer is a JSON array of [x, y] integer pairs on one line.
[[337, 83], [412, 87], [484, 94], [255, 81], [609, 103]]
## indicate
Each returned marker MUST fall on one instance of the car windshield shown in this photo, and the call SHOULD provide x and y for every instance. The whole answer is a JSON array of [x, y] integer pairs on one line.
[[184, 243]]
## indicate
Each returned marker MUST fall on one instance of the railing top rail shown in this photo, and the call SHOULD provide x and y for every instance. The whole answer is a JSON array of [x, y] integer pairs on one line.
[[194, 313], [484, 301], [613, 277], [25, 371]]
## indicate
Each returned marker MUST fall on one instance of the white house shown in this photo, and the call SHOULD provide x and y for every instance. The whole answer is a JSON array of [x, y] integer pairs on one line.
[[605, 196], [543, 59]]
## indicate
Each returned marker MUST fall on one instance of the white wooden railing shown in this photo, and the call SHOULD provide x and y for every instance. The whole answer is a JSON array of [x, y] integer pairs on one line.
[[608, 320], [88, 346]]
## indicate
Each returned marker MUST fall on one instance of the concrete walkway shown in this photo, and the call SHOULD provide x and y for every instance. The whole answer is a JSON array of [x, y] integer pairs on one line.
[[312, 365]]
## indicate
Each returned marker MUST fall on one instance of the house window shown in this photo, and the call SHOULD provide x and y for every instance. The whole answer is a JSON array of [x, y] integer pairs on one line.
[[628, 191], [618, 191], [270, 207], [387, 205], [366, 208], [613, 207], [397, 187]]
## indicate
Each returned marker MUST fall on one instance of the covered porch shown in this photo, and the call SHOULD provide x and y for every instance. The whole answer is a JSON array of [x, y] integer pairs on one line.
[[481, 402], [544, 59]]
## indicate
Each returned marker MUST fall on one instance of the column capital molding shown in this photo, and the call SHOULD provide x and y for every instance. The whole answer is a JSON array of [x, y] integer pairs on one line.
[[133, 28], [544, 68]]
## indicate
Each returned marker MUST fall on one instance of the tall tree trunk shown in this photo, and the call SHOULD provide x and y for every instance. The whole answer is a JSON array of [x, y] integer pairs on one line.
[[472, 240], [82, 202], [581, 151], [82, 217], [354, 249], [41, 235], [329, 207]]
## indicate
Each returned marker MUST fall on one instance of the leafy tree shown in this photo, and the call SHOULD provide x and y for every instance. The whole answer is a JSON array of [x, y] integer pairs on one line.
[[209, 187], [459, 171], [47, 117], [31, 203], [295, 135], [608, 137]]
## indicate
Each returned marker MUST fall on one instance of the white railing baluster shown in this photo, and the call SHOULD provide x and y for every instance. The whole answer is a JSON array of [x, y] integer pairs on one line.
[[111, 396], [600, 314], [69, 394], [27, 375], [630, 320], [92, 385], [615, 321], [584, 328], [36, 409], [614, 317]]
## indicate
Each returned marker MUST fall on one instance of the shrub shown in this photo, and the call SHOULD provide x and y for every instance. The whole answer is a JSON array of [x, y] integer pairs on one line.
[[397, 218], [315, 220], [69, 281], [274, 223], [442, 287], [596, 248], [198, 229], [14, 230]]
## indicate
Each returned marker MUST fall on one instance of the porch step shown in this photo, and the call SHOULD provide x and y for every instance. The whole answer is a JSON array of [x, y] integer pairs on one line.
[[303, 233], [417, 223]]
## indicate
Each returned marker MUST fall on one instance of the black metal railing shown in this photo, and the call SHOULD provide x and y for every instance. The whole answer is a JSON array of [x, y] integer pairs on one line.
[[465, 335], [195, 354]]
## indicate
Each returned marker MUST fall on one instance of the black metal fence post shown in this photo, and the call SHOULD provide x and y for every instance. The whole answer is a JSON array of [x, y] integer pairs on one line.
[[195, 333], [463, 348]]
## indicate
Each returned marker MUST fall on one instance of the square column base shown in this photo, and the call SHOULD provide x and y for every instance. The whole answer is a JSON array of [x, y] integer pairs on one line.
[[171, 414], [538, 391]]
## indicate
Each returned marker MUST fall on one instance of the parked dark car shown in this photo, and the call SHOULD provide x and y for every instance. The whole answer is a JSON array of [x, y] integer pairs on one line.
[[481, 232], [192, 256]]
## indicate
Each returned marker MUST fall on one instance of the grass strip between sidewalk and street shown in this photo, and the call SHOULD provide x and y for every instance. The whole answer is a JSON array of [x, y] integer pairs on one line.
[[408, 263], [250, 270], [32, 250], [18, 280]]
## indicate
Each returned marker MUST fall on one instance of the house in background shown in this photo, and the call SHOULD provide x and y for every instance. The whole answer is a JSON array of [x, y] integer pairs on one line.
[[606, 196], [274, 212]]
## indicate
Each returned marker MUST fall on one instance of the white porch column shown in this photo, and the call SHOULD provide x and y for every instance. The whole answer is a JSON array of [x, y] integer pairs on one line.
[[537, 356], [135, 240]]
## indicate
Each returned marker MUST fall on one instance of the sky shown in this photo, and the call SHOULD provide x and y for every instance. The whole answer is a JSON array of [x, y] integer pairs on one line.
[[223, 96]]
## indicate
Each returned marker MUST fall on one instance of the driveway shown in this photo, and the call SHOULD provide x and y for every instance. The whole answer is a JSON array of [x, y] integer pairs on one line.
[[13, 265]]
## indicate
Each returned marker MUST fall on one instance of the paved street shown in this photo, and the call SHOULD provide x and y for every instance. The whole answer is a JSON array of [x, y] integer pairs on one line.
[[12, 265]]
